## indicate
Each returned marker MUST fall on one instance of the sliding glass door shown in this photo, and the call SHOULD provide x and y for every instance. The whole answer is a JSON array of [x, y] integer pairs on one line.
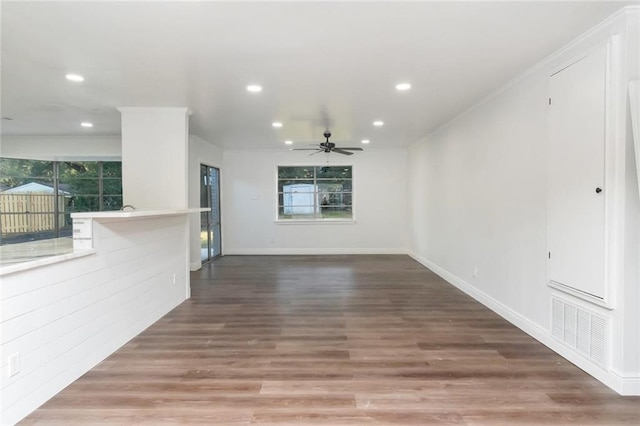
[[210, 241]]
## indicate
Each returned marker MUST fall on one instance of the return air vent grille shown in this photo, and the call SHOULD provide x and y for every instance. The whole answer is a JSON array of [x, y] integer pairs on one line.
[[582, 343], [598, 339], [579, 329]]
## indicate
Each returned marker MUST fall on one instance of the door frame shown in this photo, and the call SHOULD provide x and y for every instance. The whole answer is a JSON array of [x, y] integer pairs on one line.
[[219, 185], [614, 165]]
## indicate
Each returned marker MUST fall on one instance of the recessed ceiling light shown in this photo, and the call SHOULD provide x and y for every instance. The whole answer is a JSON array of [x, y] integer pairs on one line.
[[378, 123], [86, 124], [276, 124], [365, 141], [403, 86], [75, 77], [254, 88], [288, 142]]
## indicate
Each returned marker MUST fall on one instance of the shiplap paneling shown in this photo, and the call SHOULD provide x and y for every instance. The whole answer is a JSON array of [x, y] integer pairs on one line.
[[65, 318]]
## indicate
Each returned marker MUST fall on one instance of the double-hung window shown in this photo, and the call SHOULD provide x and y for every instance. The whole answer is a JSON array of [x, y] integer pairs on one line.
[[315, 193]]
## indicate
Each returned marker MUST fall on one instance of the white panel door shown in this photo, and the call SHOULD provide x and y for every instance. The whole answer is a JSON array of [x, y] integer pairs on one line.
[[576, 175]]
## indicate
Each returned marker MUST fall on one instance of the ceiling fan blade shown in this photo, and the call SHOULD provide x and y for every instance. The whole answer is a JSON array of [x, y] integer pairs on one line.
[[328, 147], [341, 151]]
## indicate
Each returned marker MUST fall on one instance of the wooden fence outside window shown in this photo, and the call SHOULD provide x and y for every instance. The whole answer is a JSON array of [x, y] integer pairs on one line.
[[30, 212]]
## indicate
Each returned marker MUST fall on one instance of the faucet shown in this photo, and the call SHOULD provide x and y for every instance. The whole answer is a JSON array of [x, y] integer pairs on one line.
[[127, 206]]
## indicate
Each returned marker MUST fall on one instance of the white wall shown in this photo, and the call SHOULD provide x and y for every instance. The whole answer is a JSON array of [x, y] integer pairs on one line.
[[65, 318], [250, 205], [478, 200], [200, 152], [62, 148], [155, 157]]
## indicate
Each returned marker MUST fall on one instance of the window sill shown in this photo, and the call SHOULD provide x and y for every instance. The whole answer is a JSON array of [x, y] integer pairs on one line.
[[315, 222]]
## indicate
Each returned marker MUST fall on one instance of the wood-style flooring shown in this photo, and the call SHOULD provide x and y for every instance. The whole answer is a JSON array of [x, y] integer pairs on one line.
[[333, 340]]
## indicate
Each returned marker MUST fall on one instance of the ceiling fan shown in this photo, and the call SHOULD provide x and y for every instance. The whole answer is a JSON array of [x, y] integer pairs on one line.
[[328, 147]]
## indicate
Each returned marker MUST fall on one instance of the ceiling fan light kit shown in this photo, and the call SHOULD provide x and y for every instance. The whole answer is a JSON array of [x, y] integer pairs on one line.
[[329, 147]]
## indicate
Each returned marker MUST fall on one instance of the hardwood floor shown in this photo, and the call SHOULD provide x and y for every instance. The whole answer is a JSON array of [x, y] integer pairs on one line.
[[333, 340]]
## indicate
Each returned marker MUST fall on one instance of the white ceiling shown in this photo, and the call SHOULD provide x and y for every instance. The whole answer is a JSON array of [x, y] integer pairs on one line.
[[321, 64]]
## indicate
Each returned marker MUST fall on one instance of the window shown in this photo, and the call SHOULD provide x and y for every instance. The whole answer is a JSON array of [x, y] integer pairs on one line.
[[38, 197], [315, 192]]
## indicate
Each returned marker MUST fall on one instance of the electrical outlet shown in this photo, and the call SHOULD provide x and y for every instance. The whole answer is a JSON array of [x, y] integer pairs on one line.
[[475, 272], [174, 278], [14, 364]]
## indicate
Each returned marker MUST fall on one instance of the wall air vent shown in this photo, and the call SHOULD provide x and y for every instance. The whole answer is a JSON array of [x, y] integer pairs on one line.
[[580, 329]]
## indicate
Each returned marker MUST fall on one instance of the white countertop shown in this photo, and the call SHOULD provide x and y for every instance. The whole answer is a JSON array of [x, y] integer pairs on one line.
[[43, 261], [135, 213]]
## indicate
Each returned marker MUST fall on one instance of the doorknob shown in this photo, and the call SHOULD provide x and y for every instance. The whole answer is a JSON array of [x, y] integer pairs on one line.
[[598, 190]]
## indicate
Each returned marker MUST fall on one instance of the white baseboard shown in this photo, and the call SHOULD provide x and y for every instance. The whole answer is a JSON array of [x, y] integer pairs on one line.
[[194, 266], [312, 251], [629, 385], [624, 385]]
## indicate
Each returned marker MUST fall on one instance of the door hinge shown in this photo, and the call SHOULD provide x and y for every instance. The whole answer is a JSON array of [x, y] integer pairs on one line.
[[549, 255], [549, 101]]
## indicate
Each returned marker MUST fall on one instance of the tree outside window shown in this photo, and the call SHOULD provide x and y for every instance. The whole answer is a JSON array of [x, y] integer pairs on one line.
[[38, 197]]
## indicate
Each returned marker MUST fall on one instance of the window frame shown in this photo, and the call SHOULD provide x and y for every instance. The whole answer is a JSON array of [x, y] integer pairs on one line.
[[61, 218], [315, 220]]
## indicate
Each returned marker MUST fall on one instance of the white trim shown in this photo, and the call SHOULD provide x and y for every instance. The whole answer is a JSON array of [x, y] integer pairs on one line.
[[185, 110], [315, 222], [629, 385], [634, 103], [624, 385], [614, 168], [312, 251], [580, 295], [194, 266]]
